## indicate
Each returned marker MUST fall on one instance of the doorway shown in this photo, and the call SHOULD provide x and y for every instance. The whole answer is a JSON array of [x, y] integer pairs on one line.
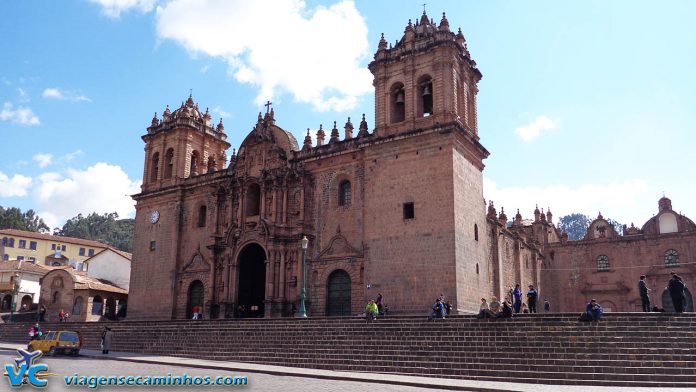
[[338, 298], [252, 281]]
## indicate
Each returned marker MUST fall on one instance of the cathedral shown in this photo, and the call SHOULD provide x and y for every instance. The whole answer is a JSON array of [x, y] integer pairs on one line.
[[396, 209]]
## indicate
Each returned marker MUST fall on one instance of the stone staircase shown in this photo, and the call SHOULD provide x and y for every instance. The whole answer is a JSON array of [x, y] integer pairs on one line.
[[625, 349]]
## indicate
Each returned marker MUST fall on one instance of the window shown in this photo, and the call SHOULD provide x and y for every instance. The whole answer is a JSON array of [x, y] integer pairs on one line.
[[4, 241], [77, 308], [671, 258], [193, 169], [32, 260], [20, 258], [90, 252], [22, 244], [82, 251], [477, 268], [425, 96], [475, 232], [211, 164], [398, 103], [10, 242], [169, 163], [409, 212], [344, 193], [202, 212], [53, 246], [154, 167], [56, 297], [32, 245], [5, 257], [602, 263], [97, 304], [62, 248], [153, 245], [253, 200]]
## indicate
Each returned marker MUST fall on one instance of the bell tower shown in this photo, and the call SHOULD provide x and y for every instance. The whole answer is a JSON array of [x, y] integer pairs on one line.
[[183, 144], [427, 77]]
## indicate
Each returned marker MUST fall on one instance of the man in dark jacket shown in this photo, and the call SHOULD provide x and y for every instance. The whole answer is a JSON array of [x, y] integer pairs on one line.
[[532, 296], [676, 290], [643, 290]]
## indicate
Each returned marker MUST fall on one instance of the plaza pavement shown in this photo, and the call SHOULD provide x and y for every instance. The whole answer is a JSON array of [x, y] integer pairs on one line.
[[412, 381]]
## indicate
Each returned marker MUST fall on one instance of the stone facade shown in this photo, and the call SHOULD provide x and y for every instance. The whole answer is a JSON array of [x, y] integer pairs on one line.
[[606, 265], [397, 210]]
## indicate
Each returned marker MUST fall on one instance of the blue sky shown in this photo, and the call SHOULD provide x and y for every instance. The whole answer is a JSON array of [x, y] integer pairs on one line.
[[584, 106]]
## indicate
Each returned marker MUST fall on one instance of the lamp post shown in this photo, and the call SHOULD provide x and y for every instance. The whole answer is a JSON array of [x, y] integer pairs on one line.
[[14, 293], [303, 293]]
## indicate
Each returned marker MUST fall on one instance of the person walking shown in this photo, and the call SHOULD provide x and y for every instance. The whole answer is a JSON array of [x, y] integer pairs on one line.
[[517, 298], [643, 290], [196, 312], [547, 305], [107, 337], [61, 315], [676, 288], [532, 295]]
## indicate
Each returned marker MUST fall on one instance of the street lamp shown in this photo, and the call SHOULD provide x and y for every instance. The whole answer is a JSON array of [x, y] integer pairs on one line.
[[15, 282], [303, 293]]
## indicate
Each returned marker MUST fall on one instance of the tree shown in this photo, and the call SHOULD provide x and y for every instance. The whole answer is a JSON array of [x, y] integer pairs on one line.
[[575, 225], [14, 218], [105, 228]]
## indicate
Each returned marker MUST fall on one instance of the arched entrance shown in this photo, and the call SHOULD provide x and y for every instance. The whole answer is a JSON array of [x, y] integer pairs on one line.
[[196, 295], [338, 296], [6, 302], [252, 281], [26, 303], [668, 306]]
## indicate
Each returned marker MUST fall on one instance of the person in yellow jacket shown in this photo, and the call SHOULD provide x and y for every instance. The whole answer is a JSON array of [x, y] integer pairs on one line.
[[371, 310]]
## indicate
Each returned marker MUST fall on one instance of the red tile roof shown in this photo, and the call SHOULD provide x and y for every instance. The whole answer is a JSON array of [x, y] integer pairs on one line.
[[49, 237]]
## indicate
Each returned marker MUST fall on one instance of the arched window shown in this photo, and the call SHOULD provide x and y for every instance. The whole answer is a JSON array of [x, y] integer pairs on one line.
[[425, 96], [211, 164], [602, 263], [77, 308], [97, 305], [253, 200], [202, 212], [398, 103], [194, 164], [671, 258], [475, 232], [344, 193], [169, 163], [56, 297], [154, 167], [4, 241], [57, 282]]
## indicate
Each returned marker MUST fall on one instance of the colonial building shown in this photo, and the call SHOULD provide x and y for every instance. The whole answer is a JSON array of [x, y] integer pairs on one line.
[[20, 285], [607, 265], [396, 209], [46, 249]]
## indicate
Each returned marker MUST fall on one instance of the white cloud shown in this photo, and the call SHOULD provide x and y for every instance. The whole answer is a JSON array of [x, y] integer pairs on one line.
[[621, 201], [532, 130], [100, 188], [23, 95], [70, 156], [15, 186], [220, 112], [43, 159], [113, 8], [21, 115], [278, 46], [56, 93]]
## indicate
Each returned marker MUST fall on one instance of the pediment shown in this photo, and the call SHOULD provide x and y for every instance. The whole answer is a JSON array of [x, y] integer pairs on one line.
[[196, 264], [339, 247]]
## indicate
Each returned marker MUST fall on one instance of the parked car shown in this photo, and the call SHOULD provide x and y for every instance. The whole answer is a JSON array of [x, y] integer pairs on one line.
[[58, 342]]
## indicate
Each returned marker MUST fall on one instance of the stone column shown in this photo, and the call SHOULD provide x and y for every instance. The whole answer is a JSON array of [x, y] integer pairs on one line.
[[268, 300]]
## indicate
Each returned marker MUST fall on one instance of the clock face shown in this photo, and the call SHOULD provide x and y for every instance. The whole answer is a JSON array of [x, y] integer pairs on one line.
[[154, 216]]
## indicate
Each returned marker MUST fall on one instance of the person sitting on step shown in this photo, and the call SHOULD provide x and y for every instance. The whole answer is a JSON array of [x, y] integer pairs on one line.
[[484, 310], [507, 310], [495, 307], [438, 310], [371, 310], [594, 310]]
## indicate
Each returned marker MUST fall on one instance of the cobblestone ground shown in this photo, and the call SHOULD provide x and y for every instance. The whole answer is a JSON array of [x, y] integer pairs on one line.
[[68, 366]]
